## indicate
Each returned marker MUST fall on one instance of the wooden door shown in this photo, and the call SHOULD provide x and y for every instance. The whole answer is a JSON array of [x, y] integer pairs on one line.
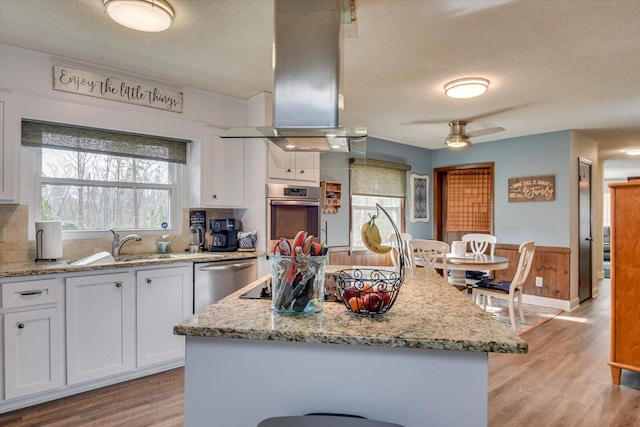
[[585, 239], [463, 201]]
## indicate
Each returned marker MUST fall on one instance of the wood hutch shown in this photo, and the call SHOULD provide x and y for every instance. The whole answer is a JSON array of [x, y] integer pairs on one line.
[[625, 278]]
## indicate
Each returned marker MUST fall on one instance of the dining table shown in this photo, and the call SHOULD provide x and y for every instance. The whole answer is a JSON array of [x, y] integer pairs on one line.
[[458, 265]]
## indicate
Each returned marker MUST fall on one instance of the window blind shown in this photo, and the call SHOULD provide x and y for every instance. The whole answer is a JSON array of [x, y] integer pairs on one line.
[[79, 138], [469, 200], [378, 178]]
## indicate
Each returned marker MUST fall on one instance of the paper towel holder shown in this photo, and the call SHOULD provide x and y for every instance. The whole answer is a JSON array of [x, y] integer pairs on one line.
[[47, 252]]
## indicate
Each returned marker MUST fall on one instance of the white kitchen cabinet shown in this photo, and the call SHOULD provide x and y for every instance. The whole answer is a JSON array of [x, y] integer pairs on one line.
[[164, 298], [100, 326], [32, 337], [33, 349], [222, 171], [9, 140], [296, 166]]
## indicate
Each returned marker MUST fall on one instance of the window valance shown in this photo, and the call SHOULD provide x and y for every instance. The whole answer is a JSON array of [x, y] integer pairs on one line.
[[79, 138]]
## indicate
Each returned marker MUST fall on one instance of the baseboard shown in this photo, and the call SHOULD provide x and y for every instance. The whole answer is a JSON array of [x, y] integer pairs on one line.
[[547, 302]]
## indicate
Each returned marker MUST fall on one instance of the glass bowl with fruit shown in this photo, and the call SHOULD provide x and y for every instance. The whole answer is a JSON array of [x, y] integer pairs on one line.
[[372, 291]]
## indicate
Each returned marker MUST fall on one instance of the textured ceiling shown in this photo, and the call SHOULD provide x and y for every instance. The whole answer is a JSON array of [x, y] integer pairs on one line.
[[553, 65]]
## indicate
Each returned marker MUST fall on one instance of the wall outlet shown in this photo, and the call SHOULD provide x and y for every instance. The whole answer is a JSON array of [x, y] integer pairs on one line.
[[539, 281]]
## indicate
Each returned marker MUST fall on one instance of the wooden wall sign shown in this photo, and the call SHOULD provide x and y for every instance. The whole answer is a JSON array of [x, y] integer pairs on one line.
[[131, 91], [532, 189]]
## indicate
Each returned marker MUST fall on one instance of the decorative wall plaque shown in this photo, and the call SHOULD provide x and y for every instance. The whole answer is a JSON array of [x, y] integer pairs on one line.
[[123, 89], [532, 189]]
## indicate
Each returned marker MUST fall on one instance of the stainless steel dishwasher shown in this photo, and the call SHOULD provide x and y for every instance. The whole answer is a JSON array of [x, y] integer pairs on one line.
[[213, 281]]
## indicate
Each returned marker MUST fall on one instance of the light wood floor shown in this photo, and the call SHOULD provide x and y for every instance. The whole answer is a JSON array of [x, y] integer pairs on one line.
[[563, 381]]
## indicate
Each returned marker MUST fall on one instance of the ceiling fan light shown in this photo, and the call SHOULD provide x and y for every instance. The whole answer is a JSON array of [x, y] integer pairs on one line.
[[457, 141], [466, 88], [632, 152], [142, 15]]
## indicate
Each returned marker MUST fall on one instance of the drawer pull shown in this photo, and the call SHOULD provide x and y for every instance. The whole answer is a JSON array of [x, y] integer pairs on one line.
[[118, 284], [30, 293], [20, 325], [149, 281]]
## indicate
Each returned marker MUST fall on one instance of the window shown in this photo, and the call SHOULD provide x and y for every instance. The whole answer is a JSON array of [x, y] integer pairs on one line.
[[92, 180], [364, 207], [381, 182]]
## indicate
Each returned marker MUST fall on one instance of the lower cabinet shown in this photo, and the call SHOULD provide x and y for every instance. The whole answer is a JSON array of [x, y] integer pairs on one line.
[[32, 335], [119, 326], [163, 299], [33, 352], [100, 326]]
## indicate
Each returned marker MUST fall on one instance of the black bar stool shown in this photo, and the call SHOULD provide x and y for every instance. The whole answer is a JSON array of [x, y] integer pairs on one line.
[[324, 420]]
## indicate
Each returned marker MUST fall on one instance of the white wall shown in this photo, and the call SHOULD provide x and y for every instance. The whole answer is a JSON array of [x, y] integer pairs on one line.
[[26, 86]]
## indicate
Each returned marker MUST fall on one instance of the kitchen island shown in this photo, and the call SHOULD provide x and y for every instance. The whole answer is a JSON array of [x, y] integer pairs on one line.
[[424, 363]]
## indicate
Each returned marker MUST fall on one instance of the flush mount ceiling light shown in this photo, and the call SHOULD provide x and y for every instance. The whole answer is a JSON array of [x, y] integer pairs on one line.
[[142, 15], [633, 152], [466, 88]]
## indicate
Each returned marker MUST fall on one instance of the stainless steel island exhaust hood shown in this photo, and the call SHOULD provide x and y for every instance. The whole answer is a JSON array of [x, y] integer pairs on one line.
[[307, 100]]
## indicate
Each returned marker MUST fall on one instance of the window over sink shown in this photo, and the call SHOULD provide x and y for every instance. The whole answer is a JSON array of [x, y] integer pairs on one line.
[[95, 179]]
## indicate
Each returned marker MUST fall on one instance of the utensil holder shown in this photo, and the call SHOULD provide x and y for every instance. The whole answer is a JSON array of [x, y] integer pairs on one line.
[[297, 284]]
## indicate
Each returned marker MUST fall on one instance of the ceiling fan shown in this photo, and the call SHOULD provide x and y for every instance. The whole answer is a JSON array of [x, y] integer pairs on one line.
[[458, 138]]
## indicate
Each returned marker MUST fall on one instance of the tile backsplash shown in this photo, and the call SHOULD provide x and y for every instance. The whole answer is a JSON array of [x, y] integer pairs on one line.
[[16, 246]]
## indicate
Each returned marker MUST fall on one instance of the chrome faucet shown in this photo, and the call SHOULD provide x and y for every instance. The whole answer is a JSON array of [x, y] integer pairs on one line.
[[117, 244]]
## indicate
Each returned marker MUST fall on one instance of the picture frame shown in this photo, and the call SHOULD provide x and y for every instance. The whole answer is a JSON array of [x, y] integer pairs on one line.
[[419, 211]]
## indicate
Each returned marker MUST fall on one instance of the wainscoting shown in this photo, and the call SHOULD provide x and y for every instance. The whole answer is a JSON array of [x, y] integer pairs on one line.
[[549, 262], [343, 256]]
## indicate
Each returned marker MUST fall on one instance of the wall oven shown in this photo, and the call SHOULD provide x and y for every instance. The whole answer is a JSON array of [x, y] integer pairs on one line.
[[291, 209]]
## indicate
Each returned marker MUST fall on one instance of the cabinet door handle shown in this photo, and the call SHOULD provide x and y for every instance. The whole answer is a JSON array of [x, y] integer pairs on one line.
[[148, 280], [302, 171], [215, 196], [29, 293], [20, 325], [288, 170], [118, 284]]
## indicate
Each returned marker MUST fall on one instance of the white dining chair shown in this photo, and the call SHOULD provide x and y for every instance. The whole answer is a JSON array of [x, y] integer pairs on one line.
[[478, 243], [508, 290], [430, 253], [404, 243]]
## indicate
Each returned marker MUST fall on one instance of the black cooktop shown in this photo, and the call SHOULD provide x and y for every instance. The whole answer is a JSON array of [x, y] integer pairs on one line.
[[263, 291], [258, 292]]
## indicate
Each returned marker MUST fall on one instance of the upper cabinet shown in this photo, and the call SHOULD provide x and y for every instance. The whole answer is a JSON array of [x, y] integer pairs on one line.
[[222, 171], [293, 166], [9, 141]]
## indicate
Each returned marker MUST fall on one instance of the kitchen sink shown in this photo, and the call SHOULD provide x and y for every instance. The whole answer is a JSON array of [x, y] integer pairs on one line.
[[145, 257]]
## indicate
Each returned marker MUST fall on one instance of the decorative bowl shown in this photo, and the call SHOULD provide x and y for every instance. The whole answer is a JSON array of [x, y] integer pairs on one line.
[[369, 291]]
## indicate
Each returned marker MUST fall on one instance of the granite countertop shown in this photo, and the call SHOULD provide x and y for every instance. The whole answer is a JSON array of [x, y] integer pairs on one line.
[[29, 268], [428, 314]]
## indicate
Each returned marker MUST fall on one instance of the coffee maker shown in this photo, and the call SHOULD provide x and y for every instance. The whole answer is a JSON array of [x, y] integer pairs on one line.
[[224, 235]]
